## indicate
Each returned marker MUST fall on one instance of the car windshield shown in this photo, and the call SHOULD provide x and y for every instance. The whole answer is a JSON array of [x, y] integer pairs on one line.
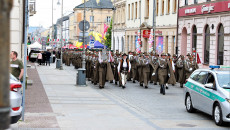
[[224, 80]]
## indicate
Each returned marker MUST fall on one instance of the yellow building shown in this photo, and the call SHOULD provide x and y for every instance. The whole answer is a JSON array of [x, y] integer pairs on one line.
[[97, 14]]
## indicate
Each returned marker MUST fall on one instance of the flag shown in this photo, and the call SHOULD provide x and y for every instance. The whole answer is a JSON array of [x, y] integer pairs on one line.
[[105, 28], [199, 61]]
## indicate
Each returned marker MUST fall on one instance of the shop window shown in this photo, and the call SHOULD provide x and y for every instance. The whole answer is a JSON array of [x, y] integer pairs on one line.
[[168, 10], [186, 2], [194, 37], [220, 52], [163, 9], [207, 45]]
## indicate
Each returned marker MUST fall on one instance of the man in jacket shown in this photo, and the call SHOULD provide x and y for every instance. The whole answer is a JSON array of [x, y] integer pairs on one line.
[[124, 68]]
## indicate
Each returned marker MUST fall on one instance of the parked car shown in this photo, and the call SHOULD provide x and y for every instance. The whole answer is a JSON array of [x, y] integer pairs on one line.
[[15, 99], [208, 90]]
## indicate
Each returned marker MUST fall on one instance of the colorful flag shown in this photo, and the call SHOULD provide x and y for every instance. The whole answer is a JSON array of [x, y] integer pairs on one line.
[[199, 61]]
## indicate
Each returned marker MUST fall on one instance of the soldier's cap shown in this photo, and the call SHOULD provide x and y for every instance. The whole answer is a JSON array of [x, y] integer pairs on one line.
[[134, 53], [182, 56], [163, 54], [168, 54], [124, 54], [174, 55], [188, 54], [117, 53], [156, 54]]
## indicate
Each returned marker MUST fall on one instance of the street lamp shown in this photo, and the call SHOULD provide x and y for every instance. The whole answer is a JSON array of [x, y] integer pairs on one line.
[[58, 3]]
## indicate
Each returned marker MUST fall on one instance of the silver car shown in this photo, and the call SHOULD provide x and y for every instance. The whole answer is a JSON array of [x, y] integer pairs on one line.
[[208, 90], [15, 99]]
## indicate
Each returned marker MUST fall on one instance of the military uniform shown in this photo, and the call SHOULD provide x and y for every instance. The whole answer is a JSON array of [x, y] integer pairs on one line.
[[133, 61], [190, 66], [146, 70], [180, 70], [153, 63], [140, 70]]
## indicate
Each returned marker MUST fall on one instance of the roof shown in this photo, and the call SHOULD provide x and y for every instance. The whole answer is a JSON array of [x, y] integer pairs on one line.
[[103, 4]]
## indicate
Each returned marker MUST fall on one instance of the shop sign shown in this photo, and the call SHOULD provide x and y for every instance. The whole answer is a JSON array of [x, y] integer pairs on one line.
[[190, 11], [146, 33], [207, 8], [221, 6]]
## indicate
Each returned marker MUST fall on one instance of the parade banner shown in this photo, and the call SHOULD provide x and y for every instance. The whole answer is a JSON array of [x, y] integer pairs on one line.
[[138, 43], [150, 41], [159, 45]]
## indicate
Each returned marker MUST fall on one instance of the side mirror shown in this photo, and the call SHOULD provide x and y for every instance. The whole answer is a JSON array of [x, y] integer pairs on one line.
[[209, 85]]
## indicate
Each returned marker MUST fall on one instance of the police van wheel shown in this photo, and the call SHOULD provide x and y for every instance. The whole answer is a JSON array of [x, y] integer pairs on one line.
[[188, 103], [217, 115]]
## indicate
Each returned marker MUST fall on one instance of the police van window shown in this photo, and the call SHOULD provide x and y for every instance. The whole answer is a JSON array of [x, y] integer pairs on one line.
[[202, 77], [194, 75]]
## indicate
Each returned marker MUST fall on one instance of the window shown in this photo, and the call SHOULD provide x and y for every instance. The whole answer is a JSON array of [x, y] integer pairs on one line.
[[202, 77], [108, 20], [168, 11], [194, 37], [139, 9], [220, 52], [129, 11], [132, 10], [135, 10], [175, 6], [163, 9], [91, 18], [195, 1], [186, 2], [157, 6], [194, 76], [210, 78], [147, 9], [207, 45]]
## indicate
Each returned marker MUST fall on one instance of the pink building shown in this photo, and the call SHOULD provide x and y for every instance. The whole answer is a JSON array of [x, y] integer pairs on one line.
[[204, 26]]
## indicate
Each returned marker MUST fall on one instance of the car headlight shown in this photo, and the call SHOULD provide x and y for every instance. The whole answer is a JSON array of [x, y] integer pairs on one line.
[[228, 100]]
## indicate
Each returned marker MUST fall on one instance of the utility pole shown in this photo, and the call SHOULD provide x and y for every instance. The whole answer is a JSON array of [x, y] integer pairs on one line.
[[178, 5], [25, 55], [154, 25], [61, 67], [114, 9], [83, 62], [5, 8], [52, 35]]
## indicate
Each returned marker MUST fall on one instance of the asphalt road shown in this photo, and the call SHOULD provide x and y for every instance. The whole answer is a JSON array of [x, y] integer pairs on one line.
[[159, 111]]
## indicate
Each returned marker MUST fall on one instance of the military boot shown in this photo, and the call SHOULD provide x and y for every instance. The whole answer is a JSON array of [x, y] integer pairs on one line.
[[163, 89]]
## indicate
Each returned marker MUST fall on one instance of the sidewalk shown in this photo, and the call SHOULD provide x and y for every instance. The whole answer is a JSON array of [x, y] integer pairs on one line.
[[83, 108]]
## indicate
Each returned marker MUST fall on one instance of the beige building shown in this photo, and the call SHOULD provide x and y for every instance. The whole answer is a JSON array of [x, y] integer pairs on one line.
[[139, 17], [118, 33], [97, 15]]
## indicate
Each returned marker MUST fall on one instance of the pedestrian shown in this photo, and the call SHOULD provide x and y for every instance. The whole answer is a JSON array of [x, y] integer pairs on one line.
[[16, 66], [48, 55], [124, 68], [39, 58]]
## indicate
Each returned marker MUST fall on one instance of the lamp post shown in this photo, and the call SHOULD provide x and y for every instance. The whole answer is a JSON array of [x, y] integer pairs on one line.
[[61, 66], [52, 35], [83, 62], [154, 25]]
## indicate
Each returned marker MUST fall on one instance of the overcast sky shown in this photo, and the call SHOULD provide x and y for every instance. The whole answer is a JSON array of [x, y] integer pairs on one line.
[[43, 17]]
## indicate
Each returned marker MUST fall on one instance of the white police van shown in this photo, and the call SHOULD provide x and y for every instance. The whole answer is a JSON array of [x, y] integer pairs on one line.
[[208, 90]]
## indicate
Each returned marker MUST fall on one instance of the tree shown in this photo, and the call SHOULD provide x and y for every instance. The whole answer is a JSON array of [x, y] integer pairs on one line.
[[109, 35]]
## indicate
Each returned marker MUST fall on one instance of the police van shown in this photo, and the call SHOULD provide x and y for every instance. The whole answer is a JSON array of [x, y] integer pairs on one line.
[[208, 90]]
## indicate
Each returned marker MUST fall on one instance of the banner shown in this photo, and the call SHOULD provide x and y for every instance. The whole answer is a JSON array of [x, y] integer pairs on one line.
[[138, 43], [150, 41], [159, 45]]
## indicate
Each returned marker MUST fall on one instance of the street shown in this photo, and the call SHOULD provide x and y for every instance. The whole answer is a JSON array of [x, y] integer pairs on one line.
[[89, 107]]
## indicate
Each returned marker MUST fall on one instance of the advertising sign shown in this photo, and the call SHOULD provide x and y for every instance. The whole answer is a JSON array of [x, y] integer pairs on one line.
[[159, 45]]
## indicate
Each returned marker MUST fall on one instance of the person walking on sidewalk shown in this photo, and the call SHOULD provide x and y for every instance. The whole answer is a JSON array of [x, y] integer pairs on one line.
[[40, 58], [124, 68], [48, 55], [16, 66]]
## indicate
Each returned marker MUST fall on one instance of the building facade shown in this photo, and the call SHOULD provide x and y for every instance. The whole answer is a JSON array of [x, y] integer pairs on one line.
[[204, 27], [139, 18], [97, 14], [16, 28], [118, 32]]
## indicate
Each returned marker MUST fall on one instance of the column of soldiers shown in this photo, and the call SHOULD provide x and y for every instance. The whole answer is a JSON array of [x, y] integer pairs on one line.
[[145, 68]]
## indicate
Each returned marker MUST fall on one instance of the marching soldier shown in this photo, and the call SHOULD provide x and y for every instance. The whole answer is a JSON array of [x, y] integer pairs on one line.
[[175, 59], [129, 76], [180, 69], [115, 67], [133, 61], [164, 69], [171, 80], [124, 68], [95, 66], [140, 69], [190, 66], [146, 70], [153, 63]]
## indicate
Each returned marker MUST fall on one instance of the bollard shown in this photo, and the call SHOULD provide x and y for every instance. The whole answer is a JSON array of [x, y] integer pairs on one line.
[[81, 77], [58, 63]]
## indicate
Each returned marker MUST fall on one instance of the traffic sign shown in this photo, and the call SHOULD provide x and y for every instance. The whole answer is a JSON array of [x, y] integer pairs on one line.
[[81, 25]]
